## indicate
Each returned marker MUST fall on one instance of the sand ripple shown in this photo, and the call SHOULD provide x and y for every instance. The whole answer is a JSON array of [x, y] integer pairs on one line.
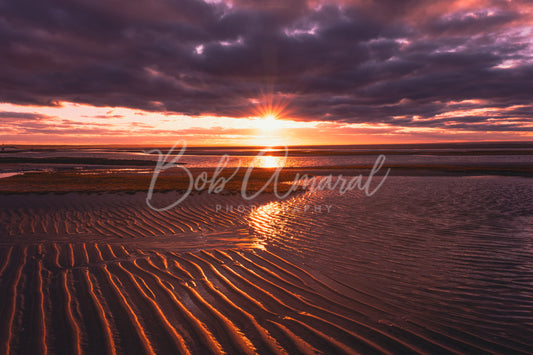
[[109, 298], [418, 271]]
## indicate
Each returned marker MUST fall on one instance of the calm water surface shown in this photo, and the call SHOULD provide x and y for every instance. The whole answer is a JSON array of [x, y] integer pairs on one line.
[[316, 157], [453, 254]]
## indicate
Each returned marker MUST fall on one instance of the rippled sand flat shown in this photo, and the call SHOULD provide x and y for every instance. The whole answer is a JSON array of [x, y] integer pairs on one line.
[[427, 265]]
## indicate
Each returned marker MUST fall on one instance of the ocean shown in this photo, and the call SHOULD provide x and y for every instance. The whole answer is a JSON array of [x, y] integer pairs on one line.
[[501, 155]]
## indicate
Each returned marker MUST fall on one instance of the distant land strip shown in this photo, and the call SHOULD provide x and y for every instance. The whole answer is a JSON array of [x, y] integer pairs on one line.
[[74, 160]]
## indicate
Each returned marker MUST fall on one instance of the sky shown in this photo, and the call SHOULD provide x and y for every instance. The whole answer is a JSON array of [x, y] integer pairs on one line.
[[243, 72]]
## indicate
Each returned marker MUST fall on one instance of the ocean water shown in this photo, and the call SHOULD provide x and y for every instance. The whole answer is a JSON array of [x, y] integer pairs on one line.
[[451, 254], [481, 155]]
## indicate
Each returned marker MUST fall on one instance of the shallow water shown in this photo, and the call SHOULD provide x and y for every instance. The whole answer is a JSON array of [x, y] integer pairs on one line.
[[299, 157], [6, 175], [454, 254], [430, 264]]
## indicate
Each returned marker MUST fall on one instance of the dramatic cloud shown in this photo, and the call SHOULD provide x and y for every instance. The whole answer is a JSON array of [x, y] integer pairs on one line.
[[464, 65]]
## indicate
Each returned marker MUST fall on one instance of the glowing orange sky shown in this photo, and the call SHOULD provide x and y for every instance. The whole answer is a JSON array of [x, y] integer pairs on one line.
[[83, 124]]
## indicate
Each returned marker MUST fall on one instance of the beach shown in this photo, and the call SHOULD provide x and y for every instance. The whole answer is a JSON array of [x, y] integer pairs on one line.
[[103, 273], [431, 262]]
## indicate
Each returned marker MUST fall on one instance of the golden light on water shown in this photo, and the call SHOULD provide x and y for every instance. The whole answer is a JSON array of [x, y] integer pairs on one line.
[[268, 161], [265, 220]]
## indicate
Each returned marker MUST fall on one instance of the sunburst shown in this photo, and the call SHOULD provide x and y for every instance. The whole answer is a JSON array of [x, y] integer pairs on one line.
[[269, 112], [270, 105]]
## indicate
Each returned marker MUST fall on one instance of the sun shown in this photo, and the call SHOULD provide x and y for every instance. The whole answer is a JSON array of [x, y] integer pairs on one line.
[[267, 123], [269, 114], [269, 131]]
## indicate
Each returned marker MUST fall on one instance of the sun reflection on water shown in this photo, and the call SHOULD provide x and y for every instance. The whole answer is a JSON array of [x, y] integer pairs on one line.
[[268, 161], [265, 220]]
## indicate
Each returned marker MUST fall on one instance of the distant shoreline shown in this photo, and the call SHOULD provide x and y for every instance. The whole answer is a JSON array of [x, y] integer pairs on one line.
[[432, 145], [25, 153]]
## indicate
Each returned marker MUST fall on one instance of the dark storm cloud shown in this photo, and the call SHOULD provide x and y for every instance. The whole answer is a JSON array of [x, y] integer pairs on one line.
[[403, 63]]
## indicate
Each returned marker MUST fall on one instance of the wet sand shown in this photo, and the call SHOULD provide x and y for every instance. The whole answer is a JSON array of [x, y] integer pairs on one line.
[[104, 274], [101, 273], [110, 298], [108, 179]]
